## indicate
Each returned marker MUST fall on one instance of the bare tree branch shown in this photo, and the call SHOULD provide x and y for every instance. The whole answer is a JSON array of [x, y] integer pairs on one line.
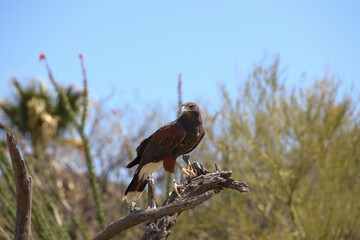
[[140, 216], [202, 183], [23, 189], [164, 218]]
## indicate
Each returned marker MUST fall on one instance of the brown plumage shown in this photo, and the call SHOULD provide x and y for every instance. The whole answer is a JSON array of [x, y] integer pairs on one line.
[[164, 146]]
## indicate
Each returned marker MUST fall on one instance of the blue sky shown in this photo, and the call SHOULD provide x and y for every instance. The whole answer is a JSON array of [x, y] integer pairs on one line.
[[138, 48]]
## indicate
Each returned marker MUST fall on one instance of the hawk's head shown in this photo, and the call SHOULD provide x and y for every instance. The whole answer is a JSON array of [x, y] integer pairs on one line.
[[190, 107]]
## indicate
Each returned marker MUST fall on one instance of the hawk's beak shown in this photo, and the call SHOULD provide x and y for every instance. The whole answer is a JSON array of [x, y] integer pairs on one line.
[[183, 109]]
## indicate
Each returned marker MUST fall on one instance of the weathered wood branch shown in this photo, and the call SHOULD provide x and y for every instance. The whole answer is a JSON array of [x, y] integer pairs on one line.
[[140, 216], [23, 189], [204, 182], [164, 218]]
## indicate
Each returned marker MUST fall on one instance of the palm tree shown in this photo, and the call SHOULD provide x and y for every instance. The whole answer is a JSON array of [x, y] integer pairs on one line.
[[37, 114]]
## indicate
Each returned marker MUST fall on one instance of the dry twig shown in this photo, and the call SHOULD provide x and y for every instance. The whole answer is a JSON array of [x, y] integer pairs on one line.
[[23, 189]]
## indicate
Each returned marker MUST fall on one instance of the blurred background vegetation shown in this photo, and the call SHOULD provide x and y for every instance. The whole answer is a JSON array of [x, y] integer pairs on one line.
[[298, 148]]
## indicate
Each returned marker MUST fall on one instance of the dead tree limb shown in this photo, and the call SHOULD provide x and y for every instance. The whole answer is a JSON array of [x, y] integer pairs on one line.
[[140, 216], [164, 218], [202, 183], [23, 191]]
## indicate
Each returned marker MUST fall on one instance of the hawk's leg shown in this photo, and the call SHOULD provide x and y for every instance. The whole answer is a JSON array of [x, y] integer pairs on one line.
[[151, 192], [185, 171], [175, 185]]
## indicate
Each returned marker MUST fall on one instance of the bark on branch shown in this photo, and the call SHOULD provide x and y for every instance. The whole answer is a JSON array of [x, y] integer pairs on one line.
[[23, 191], [198, 190]]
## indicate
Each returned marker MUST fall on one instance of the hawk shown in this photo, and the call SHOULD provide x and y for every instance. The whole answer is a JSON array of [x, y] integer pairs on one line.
[[163, 147]]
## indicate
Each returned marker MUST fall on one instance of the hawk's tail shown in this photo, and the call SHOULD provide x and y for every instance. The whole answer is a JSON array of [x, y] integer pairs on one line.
[[135, 188]]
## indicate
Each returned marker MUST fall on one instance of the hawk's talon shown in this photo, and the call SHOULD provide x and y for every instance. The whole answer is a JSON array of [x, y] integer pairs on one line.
[[185, 171], [175, 186]]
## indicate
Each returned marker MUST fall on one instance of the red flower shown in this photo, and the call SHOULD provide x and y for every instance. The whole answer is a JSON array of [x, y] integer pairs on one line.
[[41, 57], [80, 56]]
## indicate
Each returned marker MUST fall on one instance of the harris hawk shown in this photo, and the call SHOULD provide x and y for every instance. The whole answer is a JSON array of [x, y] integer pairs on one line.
[[163, 147]]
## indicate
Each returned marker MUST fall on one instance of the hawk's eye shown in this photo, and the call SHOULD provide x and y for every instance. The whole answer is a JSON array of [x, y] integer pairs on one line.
[[191, 107]]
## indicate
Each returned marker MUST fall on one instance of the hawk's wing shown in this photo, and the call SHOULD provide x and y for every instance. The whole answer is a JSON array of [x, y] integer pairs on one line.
[[161, 143], [139, 151]]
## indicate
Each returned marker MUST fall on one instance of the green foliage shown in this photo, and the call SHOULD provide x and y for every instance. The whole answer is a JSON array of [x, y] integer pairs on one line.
[[38, 115], [7, 206], [300, 153], [35, 114], [73, 97]]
